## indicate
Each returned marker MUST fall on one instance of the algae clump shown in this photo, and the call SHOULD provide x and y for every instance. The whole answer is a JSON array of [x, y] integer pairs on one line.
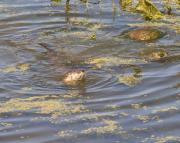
[[148, 9], [129, 80], [110, 61], [153, 54], [15, 68], [107, 127], [42, 105], [125, 4]]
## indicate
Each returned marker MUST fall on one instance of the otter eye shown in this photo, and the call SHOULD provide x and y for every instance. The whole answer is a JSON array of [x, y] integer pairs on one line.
[[83, 70]]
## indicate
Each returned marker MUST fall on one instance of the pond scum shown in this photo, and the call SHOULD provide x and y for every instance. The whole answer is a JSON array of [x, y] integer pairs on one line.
[[107, 127], [15, 68], [163, 139], [100, 62], [88, 34], [54, 107]]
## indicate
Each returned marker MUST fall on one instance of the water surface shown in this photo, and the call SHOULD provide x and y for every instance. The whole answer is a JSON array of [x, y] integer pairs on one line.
[[132, 100]]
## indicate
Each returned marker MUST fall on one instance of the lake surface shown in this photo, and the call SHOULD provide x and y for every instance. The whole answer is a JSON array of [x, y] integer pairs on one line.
[[131, 98]]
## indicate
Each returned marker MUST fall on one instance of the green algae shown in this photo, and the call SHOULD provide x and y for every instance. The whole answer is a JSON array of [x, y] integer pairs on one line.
[[150, 54], [162, 139], [148, 9], [108, 127], [126, 4], [129, 80], [43, 105], [15, 68], [110, 61]]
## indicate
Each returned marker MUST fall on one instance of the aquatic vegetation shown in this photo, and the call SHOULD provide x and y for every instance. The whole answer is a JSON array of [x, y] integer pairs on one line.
[[140, 129], [124, 114], [146, 118], [109, 126], [170, 4], [147, 24], [126, 4], [167, 139], [110, 61], [144, 7], [129, 80], [72, 94], [43, 105], [92, 26], [177, 85], [176, 28], [56, 1], [112, 107], [83, 35], [23, 67], [162, 139], [26, 89], [67, 133], [93, 36], [148, 9], [5, 124], [153, 54], [166, 109], [87, 31], [106, 127], [15, 68], [143, 118], [138, 106], [169, 21]]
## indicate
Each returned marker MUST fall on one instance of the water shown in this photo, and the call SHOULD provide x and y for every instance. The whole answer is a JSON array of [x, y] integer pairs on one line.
[[131, 100]]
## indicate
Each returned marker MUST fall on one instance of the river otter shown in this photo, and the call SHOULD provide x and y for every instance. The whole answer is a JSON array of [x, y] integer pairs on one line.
[[71, 77]]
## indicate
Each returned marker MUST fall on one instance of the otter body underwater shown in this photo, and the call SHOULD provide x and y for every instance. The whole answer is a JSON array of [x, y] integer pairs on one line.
[[61, 60]]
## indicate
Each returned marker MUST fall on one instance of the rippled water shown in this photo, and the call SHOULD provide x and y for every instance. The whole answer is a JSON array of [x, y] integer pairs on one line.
[[130, 100]]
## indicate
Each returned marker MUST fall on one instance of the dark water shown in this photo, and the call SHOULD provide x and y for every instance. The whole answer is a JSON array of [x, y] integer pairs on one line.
[[130, 100]]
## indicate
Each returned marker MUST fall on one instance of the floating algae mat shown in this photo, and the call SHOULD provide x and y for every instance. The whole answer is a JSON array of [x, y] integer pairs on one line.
[[15, 68], [130, 80], [112, 61], [153, 54], [43, 105]]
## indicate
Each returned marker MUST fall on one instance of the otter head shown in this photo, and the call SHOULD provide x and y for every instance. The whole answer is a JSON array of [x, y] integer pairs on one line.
[[74, 77]]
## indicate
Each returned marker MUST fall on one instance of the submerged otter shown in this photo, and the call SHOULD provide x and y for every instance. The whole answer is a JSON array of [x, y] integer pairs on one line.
[[71, 77]]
